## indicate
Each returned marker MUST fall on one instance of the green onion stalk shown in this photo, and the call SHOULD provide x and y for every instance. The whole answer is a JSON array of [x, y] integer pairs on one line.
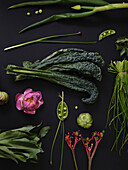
[[46, 40], [118, 108], [92, 11], [63, 2]]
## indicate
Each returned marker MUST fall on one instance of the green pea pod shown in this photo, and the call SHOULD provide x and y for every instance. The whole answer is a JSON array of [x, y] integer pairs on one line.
[[106, 33], [62, 110], [52, 2]]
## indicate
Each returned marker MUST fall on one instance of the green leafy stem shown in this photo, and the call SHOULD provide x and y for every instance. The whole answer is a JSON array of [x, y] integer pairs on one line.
[[92, 10]]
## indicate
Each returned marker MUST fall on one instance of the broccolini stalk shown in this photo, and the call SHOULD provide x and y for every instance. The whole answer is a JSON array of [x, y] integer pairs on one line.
[[52, 2], [92, 11]]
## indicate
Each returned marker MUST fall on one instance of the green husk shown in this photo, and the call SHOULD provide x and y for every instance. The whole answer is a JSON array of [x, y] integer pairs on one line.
[[22, 144], [63, 2], [118, 108]]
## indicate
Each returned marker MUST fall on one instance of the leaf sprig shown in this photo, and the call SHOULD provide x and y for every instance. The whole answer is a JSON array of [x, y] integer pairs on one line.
[[22, 144]]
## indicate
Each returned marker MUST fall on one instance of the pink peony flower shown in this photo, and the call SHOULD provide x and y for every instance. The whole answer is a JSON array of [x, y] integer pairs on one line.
[[29, 101]]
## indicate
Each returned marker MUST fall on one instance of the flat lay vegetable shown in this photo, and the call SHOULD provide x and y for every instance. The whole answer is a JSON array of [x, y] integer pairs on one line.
[[29, 101], [62, 114], [92, 10], [106, 33], [51, 2], [3, 98], [122, 45], [22, 144], [72, 146], [91, 145], [118, 108], [60, 68], [44, 40], [85, 120]]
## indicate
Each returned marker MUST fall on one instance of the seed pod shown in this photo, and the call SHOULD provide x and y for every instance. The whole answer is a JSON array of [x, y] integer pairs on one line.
[[3, 98], [106, 33], [85, 120]]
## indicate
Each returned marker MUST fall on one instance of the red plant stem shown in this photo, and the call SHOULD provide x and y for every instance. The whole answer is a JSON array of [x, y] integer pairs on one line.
[[74, 158], [93, 153], [89, 163]]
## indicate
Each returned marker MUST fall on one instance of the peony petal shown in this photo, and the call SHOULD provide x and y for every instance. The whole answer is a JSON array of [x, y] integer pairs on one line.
[[28, 95], [19, 104], [40, 102], [30, 111], [27, 91], [38, 93], [19, 95], [35, 99]]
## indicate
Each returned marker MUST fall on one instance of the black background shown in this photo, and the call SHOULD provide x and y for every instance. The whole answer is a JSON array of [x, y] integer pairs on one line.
[[12, 21]]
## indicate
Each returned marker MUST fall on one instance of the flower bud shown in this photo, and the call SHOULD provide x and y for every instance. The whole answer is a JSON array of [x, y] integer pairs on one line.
[[3, 98], [77, 7], [85, 120]]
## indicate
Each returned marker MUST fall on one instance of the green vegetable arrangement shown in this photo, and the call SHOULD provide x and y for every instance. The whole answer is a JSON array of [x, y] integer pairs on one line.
[[22, 144], [92, 10], [67, 67], [118, 107], [122, 45], [51, 2]]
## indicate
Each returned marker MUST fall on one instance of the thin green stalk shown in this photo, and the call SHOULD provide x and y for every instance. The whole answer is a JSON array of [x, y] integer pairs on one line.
[[54, 141], [68, 42], [77, 15], [62, 148], [58, 17], [40, 40]]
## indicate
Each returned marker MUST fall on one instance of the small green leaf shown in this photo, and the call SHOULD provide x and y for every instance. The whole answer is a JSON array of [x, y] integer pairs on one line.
[[43, 132]]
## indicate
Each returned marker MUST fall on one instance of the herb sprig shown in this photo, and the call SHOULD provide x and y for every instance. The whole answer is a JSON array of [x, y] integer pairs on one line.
[[118, 107]]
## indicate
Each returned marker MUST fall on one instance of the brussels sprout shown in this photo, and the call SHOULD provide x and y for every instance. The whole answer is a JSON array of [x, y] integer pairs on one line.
[[3, 98], [85, 120]]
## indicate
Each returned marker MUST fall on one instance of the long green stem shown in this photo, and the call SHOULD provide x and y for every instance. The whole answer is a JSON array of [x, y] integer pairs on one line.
[[74, 158], [62, 148], [54, 141], [68, 42], [40, 40], [77, 15]]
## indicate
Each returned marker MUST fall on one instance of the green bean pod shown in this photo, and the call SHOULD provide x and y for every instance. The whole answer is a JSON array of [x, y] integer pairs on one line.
[[52, 2]]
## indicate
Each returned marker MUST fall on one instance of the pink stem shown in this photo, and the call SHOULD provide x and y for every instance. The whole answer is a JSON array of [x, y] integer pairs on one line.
[[74, 158]]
